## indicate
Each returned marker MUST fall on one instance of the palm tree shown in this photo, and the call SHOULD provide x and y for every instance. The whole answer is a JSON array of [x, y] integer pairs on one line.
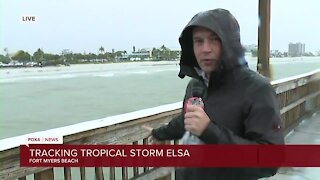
[[101, 50]]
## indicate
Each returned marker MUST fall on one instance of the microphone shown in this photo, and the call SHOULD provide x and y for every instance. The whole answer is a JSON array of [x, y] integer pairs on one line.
[[197, 89], [197, 93]]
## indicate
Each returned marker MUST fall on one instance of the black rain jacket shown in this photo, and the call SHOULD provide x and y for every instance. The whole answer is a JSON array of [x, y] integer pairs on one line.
[[241, 104]]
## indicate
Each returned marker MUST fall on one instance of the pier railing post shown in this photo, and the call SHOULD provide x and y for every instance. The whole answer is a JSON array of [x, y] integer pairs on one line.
[[263, 66]]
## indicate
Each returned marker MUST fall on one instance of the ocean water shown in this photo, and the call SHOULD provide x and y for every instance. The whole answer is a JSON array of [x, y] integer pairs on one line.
[[36, 99]]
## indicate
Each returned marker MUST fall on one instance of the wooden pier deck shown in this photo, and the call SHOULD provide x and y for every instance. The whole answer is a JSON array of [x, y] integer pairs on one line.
[[307, 132]]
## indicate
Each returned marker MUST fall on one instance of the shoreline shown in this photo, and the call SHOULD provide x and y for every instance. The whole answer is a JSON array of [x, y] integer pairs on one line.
[[98, 64], [8, 73], [74, 68]]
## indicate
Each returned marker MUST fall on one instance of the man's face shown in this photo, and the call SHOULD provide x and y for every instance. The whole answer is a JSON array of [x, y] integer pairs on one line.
[[207, 49]]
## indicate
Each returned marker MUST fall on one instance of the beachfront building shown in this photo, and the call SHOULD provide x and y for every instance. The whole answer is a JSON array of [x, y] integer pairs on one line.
[[140, 55], [296, 49]]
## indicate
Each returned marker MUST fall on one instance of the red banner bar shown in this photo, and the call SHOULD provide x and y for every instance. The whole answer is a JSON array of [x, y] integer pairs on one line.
[[170, 155]]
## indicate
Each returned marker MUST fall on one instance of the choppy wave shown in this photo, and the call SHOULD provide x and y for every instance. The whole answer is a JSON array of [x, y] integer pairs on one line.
[[32, 78], [19, 75], [141, 72], [153, 71], [104, 75]]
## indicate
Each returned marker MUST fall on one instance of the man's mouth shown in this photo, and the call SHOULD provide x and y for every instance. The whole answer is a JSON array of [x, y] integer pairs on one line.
[[207, 62]]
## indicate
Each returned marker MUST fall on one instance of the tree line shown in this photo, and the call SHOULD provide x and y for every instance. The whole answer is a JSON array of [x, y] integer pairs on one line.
[[68, 57]]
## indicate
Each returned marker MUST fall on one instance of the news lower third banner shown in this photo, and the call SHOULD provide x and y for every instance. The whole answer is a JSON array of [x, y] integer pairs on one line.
[[60, 155]]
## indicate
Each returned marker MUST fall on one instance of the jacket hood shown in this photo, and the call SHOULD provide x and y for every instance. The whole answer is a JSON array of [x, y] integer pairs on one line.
[[223, 23]]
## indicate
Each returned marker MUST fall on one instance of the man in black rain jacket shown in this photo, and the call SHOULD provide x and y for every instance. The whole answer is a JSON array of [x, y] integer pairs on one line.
[[240, 105]]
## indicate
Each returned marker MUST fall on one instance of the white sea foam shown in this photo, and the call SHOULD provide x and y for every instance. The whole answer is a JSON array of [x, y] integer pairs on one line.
[[30, 78], [141, 72], [104, 75]]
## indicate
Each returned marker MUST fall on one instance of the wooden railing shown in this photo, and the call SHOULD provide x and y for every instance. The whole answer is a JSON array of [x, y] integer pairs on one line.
[[298, 96]]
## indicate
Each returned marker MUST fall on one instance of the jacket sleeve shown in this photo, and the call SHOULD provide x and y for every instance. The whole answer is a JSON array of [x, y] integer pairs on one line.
[[175, 128]]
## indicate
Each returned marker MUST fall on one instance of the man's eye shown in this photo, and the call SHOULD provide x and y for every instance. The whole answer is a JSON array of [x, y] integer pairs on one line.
[[197, 41], [215, 38]]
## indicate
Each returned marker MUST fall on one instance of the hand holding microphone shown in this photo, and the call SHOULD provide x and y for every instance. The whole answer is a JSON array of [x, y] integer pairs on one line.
[[195, 119]]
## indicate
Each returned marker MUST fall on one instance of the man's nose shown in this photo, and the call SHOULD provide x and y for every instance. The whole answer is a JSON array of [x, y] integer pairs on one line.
[[207, 46]]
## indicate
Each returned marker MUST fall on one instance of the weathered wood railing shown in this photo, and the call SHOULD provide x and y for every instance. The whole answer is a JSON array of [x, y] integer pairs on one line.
[[297, 95]]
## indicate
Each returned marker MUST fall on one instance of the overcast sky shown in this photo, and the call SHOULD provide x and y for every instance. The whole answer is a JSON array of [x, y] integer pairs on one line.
[[85, 25]]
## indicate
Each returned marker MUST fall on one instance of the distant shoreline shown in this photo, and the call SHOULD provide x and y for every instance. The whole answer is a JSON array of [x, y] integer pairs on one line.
[[138, 62], [142, 63], [77, 68]]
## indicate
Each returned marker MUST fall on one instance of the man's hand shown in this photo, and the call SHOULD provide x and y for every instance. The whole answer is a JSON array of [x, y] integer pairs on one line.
[[195, 120], [152, 139]]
